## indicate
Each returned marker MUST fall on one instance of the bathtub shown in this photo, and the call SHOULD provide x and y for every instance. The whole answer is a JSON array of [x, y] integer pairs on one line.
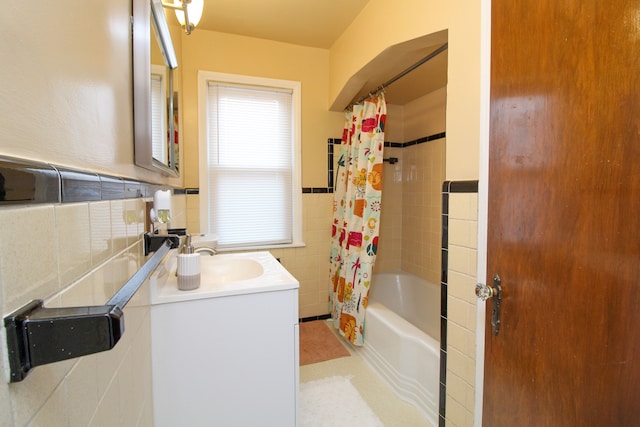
[[402, 338]]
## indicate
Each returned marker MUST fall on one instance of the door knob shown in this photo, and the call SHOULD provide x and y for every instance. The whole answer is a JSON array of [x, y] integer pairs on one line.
[[484, 292]]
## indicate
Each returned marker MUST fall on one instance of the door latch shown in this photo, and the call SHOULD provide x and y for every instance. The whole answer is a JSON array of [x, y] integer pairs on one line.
[[485, 292]]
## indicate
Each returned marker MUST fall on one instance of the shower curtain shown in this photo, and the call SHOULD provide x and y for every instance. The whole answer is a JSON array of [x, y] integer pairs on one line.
[[356, 215]]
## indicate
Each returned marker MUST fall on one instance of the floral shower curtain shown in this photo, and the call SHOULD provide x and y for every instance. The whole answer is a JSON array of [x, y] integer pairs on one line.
[[356, 215]]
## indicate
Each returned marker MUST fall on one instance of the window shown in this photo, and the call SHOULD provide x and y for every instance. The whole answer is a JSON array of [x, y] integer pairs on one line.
[[250, 192], [158, 112]]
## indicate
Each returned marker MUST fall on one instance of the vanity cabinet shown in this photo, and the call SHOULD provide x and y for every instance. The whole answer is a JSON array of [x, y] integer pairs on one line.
[[226, 360]]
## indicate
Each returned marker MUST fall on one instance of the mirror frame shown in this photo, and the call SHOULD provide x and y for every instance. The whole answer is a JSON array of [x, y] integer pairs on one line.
[[143, 12]]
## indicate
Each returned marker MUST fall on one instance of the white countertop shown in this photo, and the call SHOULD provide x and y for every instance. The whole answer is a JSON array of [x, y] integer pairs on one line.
[[265, 272]]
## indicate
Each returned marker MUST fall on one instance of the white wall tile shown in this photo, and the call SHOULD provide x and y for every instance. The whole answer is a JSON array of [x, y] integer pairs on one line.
[[100, 217], [461, 339], [54, 411], [82, 391], [118, 226], [462, 286], [6, 415], [457, 414], [28, 256], [73, 240], [461, 365], [461, 391], [463, 206], [463, 260], [463, 233], [29, 395]]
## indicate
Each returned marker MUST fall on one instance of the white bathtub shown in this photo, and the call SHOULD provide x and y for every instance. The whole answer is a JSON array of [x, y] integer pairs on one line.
[[402, 338]]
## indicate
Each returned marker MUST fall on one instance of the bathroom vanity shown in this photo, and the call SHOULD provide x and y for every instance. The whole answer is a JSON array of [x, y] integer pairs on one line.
[[226, 354]]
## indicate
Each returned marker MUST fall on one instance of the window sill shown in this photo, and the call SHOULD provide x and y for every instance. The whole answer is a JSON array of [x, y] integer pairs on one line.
[[262, 248]]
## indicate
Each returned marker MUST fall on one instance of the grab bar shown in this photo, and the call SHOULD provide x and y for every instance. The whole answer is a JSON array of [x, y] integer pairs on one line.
[[37, 335]]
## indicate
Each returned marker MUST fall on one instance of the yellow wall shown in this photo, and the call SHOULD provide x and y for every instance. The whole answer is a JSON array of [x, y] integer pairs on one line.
[[228, 53], [66, 86], [463, 91], [381, 24], [389, 22]]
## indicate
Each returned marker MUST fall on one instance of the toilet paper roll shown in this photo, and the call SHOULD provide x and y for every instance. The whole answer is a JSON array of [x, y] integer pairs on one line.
[[188, 271]]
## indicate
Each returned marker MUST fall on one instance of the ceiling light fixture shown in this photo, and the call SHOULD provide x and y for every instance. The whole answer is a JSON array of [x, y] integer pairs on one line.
[[188, 12]]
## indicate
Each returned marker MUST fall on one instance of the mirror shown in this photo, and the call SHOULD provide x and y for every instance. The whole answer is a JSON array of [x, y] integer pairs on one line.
[[154, 100]]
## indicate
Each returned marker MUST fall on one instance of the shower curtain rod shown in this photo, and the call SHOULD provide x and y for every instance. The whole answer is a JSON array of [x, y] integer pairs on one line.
[[400, 75]]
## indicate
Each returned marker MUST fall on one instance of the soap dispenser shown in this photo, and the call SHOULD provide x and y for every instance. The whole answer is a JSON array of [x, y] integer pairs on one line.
[[188, 270]]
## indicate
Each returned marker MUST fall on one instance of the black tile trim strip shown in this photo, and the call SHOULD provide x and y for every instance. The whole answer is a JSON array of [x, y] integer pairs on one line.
[[79, 186], [330, 172], [111, 188], [416, 141], [312, 318], [316, 190], [448, 188], [330, 161], [336, 141], [460, 186], [24, 182]]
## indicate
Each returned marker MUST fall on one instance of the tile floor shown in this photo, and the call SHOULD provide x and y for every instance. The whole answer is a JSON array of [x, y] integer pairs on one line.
[[392, 411]]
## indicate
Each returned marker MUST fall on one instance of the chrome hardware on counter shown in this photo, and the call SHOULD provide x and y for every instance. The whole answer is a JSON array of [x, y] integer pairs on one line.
[[152, 241], [37, 335]]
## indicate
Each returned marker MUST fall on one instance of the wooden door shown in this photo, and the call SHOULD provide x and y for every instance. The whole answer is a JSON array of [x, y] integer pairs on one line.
[[564, 214]]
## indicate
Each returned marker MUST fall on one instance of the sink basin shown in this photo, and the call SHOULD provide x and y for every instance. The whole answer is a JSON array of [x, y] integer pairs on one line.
[[216, 270], [222, 275]]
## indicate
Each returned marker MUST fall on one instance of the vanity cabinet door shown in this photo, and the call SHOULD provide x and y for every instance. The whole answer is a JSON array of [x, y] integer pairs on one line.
[[227, 361]]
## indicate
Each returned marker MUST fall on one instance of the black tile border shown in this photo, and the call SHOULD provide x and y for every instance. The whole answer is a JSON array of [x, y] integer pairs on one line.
[[448, 188], [316, 190], [111, 188], [460, 187], [79, 186], [337, 141], [49, 183], [422, 140], [28, 182], [312, 318]]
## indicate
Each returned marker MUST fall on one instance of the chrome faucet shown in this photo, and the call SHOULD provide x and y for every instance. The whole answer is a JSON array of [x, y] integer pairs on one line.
[[210, 251]]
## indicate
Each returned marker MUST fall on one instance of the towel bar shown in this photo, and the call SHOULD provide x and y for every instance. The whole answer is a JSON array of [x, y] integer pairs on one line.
[[37, 335]]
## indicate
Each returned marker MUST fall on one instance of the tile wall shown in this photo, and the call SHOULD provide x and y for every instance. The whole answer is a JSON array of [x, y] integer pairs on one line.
[[78, 254], [460, 247], [410, 228], [423, 174]]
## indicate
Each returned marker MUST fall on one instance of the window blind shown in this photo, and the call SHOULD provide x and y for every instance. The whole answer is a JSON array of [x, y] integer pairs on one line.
[[158, 115], [250, 159]]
